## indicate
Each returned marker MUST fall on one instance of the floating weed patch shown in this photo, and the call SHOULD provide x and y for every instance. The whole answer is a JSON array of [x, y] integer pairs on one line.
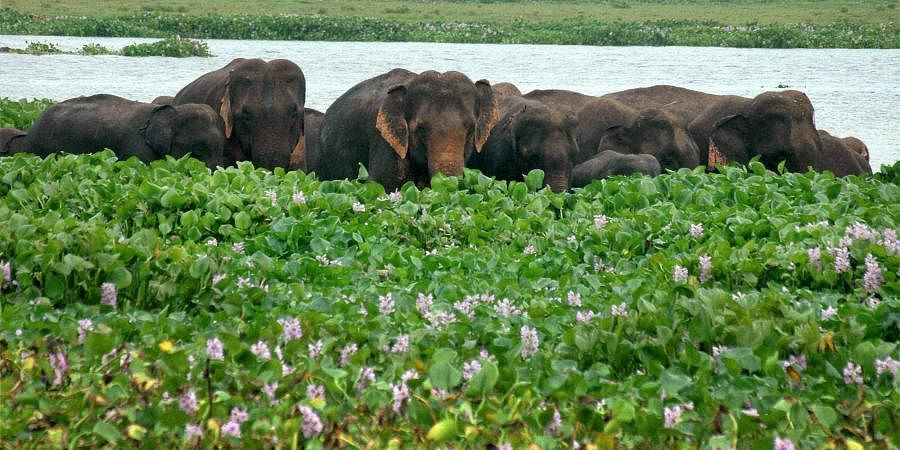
[[174, 47], [166, 305], [21, 113]]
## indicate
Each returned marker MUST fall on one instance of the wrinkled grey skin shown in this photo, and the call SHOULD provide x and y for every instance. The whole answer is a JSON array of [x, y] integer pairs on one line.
[[560, 97], [163, 100], [406, 127], [607, 124], [505, 90], [530, 135], [261, 104], [687, 104], [839, 158], [147, 131], [12, 141], [609, 163], [313, 123], [777, 126]]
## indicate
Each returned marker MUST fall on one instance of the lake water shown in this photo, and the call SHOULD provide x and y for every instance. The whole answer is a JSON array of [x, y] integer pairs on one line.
[[855, 92]]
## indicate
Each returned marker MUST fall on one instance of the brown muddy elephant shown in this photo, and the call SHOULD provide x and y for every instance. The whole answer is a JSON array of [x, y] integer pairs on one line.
[[312, 121], [687, 104], [163, 100], [840, 158], [147, 131], [560, 97], [405, 126], [12, 141], [857, 146], [609, 163], [530, 135], [261, 104], [504, 90]]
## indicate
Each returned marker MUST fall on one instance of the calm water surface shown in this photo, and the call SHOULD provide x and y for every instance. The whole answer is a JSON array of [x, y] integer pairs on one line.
[[855, 92]]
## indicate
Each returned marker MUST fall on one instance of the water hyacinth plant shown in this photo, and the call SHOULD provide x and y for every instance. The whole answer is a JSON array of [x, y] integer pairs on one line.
[[436, 327]]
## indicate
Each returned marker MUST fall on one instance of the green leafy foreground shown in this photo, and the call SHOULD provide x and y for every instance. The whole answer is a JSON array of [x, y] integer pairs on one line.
[[170, 306]]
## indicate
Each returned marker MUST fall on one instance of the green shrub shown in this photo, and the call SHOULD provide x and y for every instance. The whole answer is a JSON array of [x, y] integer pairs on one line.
[[41, 48], [95, 49], [22, 113], [174, 47]]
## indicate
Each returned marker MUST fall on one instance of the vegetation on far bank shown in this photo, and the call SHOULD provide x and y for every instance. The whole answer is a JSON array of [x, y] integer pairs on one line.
[[177, 47]]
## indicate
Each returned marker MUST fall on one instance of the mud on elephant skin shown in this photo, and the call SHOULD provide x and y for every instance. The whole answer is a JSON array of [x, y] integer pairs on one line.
[[312, 121], [560, 98], [840, 158], [776, 126], [609, 163], [530, 135], [261, 104], [147, 131], [685, 103], [405, 126], [12, 141], [607, 124]]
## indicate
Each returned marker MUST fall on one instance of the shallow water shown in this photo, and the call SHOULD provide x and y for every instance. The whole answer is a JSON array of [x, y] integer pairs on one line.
[[855, 92]]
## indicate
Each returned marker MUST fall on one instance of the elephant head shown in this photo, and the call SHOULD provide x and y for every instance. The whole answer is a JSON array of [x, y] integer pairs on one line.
[[777, 126], [609, 163], [655, 132], [840, 158], [189, 128], [12, 141], [504, 90], [262, 108], [435, 121], [542, 137], [857, 146]]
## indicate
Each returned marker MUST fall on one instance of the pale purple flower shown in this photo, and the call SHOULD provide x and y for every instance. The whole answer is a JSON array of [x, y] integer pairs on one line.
[[585, 316], [290, 328], [84, 325], [60, 365], [386, 304], [829, 312], [750, 411], [401, 345], [555, 423], [506, 308], [312, 425], [574, 299], [261, 350], [269, 389], [108, 294], [366, 378], [620, 310], [239, 414], [505, 446], [672, 416], [232, 429], [359, 207], [797, 361], [485, 355], [212, 242], [852, 373], [889, 365], [782, 444], [424, 303], [841, 258], [530, 341], [466, 306], [238, 247], [299, 198], [718, 349], [815, 256], [439, 319], [860, 231], [890, 242], [273, 197], [243, 282], [315, 349], [401, 396], [705, 268], [286, 370], [363, 311], [440, 394], [314, 391], [410, 374], [600, 220], [530, 250], [395, 197], [696, 230], [5, 274], [217, 278], [471, 368], [873, 302], [348, 351], [872, 279], [680, 275], [188, 402], [192, 431]]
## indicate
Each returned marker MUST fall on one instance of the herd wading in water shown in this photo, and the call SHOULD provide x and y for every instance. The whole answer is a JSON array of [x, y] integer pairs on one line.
[[405, 126]]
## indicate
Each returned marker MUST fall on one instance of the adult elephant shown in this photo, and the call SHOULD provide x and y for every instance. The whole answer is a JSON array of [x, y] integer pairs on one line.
[[608, 124], [857, 146], [560, 97], [776, 126], [163, 100], [530, 135], [262, 106], [839, 158], [610, 163], [685, 103], [147, 131], [405, 126], [505, 90], [312, 121], [12, 141]]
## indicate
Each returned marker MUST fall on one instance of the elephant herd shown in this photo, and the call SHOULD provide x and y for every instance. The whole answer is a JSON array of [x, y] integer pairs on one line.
[[405, 126]]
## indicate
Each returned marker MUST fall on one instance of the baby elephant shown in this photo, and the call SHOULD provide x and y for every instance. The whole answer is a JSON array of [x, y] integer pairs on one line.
[[147, 131], [12, 140], [609, 163], [842, 156]]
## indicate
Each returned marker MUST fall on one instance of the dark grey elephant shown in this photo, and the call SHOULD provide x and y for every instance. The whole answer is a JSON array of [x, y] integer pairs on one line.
[[840, 158], [858, 146], [609, 163], [312, 121], [12, 141], [147, 131], [776, 126], [560, 97], [406, 127], [504, 90], [163, 100], [530, 135], [262, 106], [607, 124], [685, 103]]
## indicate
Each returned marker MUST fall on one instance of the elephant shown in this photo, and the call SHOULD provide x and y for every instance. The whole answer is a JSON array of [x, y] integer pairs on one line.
[[685, 103], [776, 126], [312, 121], [504, 90], [840, 158], [262, 106], [560, 97], [610, 163], [163, 100], [857, 146], [530, 135], [147, 131], [404, 126], [12, 141]]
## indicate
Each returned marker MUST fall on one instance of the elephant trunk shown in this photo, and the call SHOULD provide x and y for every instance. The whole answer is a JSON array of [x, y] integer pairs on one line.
[[270, 147], [446, 153]]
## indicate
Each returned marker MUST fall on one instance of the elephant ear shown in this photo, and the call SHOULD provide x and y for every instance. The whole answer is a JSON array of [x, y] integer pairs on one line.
[[729, 141], [225, 109], [157, 131], [487, 113], [298, 154], [391, 120]]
